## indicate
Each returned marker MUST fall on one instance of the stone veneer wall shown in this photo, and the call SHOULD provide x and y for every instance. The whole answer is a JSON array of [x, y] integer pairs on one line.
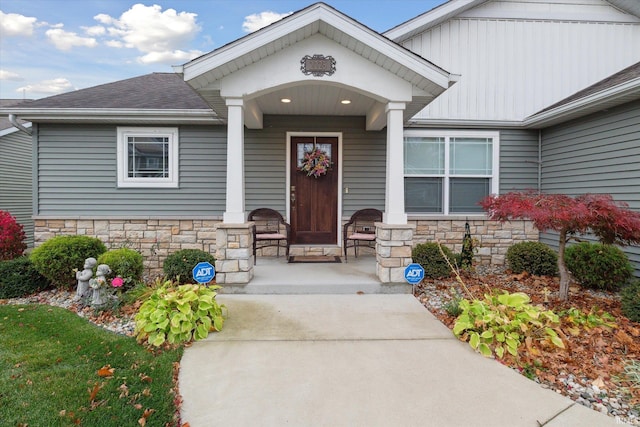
[[494, 237], [155, 239]]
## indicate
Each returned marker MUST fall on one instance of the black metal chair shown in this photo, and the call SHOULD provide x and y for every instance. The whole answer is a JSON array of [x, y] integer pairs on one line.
[[361, 230], [270, 230]]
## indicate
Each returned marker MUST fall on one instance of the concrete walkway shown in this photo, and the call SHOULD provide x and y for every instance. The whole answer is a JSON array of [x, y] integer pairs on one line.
[[355, 360]]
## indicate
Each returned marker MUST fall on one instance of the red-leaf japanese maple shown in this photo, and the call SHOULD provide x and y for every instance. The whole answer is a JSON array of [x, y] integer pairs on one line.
[[610, 221], [12, 237]]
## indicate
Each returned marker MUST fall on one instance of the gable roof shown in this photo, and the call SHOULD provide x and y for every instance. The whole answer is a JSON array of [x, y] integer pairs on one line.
[[453, 8], [138, 99], [617, 89], [317, 18], [204, 73]]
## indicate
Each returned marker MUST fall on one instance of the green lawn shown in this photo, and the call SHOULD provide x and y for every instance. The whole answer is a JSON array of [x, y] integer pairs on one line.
[[49, 363]]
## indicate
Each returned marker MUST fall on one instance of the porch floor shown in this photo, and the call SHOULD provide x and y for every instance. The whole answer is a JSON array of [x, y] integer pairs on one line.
[[274, 275]]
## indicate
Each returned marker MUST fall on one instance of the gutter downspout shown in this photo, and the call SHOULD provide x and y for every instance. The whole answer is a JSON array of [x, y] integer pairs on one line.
[[539, 160], [14, 121]]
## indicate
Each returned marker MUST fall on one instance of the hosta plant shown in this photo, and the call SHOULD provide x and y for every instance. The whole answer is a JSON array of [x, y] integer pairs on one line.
[[587, 321], [503, 322], [176, 314]]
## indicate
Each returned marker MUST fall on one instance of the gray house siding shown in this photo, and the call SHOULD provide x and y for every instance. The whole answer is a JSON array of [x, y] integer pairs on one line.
[[518, 160], [77, 169], [77, 175], [364, 163], [599, 153], [15, 179]]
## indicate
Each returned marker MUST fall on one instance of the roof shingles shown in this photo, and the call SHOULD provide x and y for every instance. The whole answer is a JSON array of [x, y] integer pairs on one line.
[[623, 76], [156, 91]]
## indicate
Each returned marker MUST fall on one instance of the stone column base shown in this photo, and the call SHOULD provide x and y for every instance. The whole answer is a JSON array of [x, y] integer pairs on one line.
[[393, 251], [234, 256]]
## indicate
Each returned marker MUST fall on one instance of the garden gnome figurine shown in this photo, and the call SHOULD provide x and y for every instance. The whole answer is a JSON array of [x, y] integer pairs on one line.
[[84, 276], [99, 286]]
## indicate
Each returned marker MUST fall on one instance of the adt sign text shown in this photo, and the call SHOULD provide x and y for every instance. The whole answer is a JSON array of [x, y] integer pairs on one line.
[[414, 273], [203, 272]]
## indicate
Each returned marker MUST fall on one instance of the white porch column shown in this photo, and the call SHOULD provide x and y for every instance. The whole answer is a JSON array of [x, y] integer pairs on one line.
[[394, 194], [234, 213]]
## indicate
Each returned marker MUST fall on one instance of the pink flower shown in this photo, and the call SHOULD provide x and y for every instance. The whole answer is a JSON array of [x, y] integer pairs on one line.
[[117, 282]]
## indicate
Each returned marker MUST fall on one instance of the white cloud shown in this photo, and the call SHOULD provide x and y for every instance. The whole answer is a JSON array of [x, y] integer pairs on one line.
[[13, 24], [169, 57], [104, 19], [8, 75], [65, 40], [49, 87], [161, 35], [114, 43], [259, 20], [96, 30]]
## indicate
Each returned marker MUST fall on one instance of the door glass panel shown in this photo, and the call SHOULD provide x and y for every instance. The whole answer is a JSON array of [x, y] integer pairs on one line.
[[307, 147]]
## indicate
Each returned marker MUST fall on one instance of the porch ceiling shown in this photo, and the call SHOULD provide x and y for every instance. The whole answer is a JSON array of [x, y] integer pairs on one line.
[[315, 99]]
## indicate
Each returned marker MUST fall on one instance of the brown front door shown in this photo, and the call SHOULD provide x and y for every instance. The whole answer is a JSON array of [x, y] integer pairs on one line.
[[314, 201]]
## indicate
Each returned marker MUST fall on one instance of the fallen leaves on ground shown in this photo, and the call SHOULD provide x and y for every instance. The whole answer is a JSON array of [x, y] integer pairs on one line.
[[106, 371], [597, 354], [93, 392]]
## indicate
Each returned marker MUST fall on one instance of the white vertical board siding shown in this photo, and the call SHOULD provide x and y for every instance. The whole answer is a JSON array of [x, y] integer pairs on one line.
[[16, 179], [77, 175], [599, 153], [511, 68]]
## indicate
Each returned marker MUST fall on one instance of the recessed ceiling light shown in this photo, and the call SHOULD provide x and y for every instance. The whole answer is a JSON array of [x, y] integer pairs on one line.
[[285, 100], [345, 101]]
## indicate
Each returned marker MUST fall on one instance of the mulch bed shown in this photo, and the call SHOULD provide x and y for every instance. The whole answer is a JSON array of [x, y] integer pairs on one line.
[[595, 358]]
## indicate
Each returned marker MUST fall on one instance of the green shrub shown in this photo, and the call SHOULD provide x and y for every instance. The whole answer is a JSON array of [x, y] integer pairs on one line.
[[56, 258], [630, 300], [533, 257], [179, 265], [178, 314], [598, 266], [429, 257], [125, 263], [18, 278]]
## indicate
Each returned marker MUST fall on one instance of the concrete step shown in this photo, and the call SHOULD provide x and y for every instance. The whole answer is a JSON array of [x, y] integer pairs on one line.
[[276, 276], [316, 289]]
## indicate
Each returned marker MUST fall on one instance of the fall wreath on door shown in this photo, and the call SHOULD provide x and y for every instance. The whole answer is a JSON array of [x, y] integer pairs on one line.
[[316, 162]]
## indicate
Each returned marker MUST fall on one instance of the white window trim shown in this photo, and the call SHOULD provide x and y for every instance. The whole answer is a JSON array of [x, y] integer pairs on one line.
[[125, 181], [448, 134]]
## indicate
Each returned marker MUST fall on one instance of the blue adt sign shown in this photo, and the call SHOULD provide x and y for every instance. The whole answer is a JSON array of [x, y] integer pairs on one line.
[[203, 272], [414, 273]]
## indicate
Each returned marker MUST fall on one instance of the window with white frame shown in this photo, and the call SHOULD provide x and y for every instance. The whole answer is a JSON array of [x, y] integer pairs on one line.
[[449, 172], [147, 157]]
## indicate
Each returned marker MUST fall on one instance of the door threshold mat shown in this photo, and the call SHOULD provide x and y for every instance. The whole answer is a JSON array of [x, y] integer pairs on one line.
[[314, 259]]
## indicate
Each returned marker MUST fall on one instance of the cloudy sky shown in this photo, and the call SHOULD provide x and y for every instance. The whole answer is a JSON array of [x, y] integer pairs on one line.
[[53, 46]]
